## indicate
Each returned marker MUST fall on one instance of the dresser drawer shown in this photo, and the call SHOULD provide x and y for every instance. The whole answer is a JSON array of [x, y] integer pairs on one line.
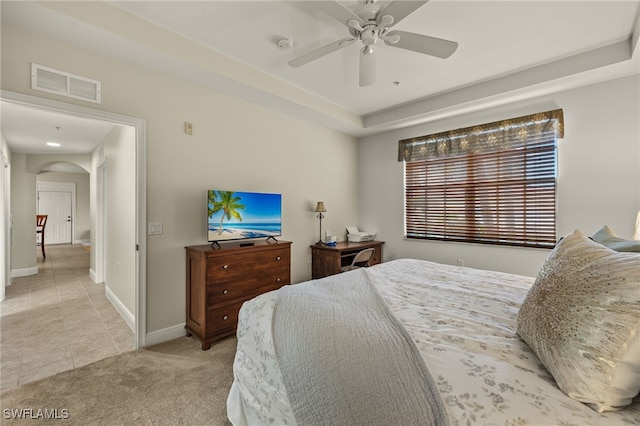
[[222, 320], [230, 291], [230, 268]]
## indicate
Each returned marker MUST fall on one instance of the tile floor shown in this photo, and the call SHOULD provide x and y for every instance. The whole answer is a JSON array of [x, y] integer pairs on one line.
[[57, 320]]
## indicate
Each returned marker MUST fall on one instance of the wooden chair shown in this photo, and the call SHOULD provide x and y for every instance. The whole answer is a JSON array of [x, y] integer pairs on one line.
[[360, 260], [41, 222]]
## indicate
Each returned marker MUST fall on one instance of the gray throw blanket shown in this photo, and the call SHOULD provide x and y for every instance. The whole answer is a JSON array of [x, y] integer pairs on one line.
[[345, 359]]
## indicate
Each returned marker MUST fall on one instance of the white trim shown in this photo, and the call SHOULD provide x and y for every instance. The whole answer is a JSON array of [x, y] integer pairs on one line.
[[122, 310], [24, 272], [92, 275], [141, 188], [141, 233], [5, 225], [166, 334], [99, 231]]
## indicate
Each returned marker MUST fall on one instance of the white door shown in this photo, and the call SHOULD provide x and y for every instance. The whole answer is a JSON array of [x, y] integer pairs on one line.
[[57, 206]]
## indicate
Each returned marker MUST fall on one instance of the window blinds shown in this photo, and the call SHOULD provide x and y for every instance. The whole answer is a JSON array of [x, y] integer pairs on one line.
[[494, 183]]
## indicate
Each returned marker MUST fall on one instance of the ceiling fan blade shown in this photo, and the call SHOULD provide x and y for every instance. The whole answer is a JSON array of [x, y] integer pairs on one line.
[[335, 10], [424, 44], [367, 68], [324, 50], [399, 10]]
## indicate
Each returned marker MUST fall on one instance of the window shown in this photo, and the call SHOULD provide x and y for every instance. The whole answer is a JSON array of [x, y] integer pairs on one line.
[[493, 184]]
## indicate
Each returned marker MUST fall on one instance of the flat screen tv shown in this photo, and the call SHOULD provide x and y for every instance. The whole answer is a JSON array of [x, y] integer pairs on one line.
[[243, 215]]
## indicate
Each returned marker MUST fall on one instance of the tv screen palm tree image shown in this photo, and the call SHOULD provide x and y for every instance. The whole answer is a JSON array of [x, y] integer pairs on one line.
[[243, 215]]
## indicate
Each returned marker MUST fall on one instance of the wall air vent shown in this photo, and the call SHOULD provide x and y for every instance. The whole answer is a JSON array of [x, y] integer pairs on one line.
[[64, 83]]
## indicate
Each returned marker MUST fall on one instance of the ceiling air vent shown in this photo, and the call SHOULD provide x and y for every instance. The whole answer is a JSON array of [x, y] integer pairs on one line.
[[64, 83]]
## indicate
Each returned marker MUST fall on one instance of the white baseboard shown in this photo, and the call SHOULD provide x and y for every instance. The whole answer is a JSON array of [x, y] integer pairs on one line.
[[153, 338], [92, 275], [128, 317], [165, 334], [25, 272]]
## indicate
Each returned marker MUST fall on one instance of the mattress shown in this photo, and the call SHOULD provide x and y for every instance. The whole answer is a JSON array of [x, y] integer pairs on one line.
[[463, 322]]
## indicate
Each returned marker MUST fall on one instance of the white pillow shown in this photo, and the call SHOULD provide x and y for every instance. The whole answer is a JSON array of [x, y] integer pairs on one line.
[[607, 237], [582, 319]]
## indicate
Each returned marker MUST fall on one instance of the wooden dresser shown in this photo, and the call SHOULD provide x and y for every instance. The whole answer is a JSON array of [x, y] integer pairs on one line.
[[220, 280], [327, 260]]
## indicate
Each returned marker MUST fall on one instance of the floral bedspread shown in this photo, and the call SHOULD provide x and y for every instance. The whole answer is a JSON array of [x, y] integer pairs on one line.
[[463, 321]]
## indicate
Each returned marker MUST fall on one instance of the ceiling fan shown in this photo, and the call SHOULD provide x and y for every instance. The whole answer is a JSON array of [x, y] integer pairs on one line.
[[370, 24]]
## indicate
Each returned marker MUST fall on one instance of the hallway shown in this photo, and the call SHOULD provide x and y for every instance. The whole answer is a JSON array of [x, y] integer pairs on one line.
[[57, 320]]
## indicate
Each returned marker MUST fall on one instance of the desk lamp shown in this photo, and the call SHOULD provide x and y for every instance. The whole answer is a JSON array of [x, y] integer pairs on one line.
[[320, 208]]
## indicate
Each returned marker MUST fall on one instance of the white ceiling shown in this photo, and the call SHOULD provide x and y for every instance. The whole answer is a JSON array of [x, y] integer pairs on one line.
[[495, 38], [507, 50], [27, 130]]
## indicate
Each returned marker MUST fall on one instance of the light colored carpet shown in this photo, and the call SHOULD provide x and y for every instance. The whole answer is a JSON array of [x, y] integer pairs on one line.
[[174, 383]]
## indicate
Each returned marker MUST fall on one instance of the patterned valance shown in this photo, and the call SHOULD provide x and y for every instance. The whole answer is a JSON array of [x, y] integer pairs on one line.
[[497, 136]]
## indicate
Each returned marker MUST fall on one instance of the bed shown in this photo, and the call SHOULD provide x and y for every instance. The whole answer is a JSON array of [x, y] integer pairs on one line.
[[464, 324]]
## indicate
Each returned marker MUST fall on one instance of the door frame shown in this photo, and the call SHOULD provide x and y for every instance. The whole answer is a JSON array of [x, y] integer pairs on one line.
[[140, 185], [101, 208], [5, 225], [50, 186]]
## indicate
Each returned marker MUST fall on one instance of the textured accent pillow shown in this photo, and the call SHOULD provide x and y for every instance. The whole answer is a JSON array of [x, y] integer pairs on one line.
[[607, 237], [582, 318]]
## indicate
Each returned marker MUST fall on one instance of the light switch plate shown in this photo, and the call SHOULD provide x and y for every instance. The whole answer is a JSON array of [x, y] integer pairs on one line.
[[155, 228]]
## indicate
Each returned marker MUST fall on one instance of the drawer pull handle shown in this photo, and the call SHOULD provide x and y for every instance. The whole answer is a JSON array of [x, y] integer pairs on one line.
[[226, 317], [225, 267], [278, 258], [278, 280], [225, 291]]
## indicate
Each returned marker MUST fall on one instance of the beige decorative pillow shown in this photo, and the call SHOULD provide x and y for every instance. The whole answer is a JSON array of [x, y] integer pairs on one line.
[[607, 237], [582, 318]]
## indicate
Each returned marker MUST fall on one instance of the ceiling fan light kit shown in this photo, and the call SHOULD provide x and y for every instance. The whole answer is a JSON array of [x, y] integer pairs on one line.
[[369, 24]]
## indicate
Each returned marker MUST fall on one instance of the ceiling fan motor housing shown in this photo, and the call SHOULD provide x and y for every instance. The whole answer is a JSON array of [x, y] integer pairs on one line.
[[369, 35], [371, 22], [369, 12]]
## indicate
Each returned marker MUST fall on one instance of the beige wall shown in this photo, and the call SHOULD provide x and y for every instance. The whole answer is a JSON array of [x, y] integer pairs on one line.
[[119, 152], [23, 173], [235, 145], [81, 217], [598, 175], [23, 208]]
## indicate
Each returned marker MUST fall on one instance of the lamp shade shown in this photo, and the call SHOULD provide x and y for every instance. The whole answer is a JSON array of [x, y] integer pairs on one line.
[[320, 208]]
